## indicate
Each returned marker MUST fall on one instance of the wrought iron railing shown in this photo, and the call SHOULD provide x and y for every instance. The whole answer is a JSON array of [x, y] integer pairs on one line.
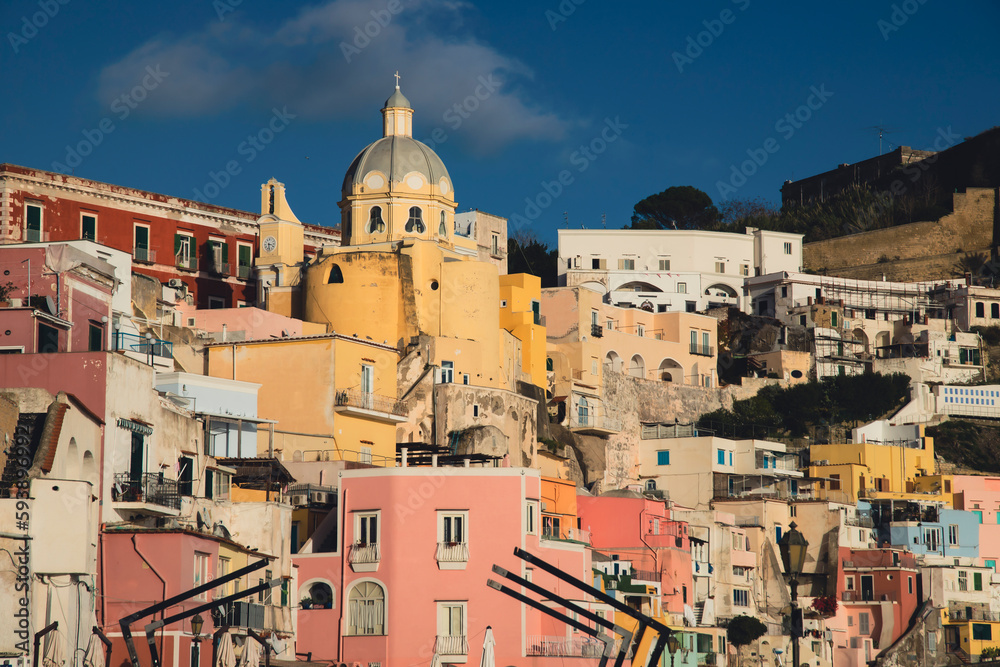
[[703, 350], [365, 553], [451, 645], [151, 346], [596, 330], [362, 399], [147, 488], [186, 262], [452, 552], [243, 271], [568, 647]]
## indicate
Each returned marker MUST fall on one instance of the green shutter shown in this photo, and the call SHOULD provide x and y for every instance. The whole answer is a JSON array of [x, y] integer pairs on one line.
[[977, 581], [177, 243], [244, 255]]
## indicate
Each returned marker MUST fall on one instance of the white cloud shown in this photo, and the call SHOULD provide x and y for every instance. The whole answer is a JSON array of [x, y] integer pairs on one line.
[[300, 63]]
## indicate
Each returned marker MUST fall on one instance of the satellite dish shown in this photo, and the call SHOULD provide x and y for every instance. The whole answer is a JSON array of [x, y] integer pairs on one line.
[[50, 305], [203, 519]]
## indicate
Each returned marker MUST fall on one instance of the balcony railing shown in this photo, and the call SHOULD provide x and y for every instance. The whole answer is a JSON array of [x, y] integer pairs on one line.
[[368, 401], [452, 552], [601, 422], [243, 271], [451, 645], [149, 346], [564, 647], [645, 575], [860, 520], [144, 255], [596, 331], [221, 268], [962, 614], [703, 350], [365, 553], [186, 262], [148, 487], [35, 236]]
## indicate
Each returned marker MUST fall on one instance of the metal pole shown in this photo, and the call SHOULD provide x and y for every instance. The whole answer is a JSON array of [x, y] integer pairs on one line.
[[795, 635]]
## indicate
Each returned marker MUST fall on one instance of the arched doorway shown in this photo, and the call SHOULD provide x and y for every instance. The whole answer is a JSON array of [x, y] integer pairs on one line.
[[613, 362], [670, 371], [637, 367]]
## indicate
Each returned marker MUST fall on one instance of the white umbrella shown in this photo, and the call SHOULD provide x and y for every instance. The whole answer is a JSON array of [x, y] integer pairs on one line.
[[94, 657], [54, 651], [489, 649], [227, 654], [251, 653]]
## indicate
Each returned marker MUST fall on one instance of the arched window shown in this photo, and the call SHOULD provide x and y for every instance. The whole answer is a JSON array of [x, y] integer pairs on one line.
[[335, 275], [322, 595], [980, 309], [366, 610], [375, 222], [651, 485], [416, 221], [442, 228]]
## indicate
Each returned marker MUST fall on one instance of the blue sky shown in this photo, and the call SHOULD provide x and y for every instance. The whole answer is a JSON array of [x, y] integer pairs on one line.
[[566, 108]]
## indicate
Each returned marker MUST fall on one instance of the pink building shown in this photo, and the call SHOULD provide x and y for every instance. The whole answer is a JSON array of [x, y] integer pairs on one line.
[[408, 579], [878, 591], [981, 496], [641, 530]]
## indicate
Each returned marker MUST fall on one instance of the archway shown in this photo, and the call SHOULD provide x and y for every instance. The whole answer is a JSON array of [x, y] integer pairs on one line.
[[322, 595], [638, 286], [721, 289], [882, 339], [860, 336], [637, 367], [613, 361], [670, 371]]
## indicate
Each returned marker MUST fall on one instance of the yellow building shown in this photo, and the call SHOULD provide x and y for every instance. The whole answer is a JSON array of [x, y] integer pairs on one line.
[[334, 396], [520, 314], [873, 470]]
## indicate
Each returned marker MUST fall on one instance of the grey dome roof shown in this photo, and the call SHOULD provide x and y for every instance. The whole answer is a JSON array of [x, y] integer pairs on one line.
[[397, 99], [395, 156]]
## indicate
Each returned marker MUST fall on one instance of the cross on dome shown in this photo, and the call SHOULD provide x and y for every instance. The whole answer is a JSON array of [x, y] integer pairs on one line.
[[397, 78]]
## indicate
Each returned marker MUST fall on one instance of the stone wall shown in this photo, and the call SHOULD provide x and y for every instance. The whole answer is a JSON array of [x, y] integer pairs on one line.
[[917, 251]]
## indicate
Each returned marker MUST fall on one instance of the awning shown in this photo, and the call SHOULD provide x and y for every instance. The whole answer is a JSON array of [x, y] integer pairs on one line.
[[135, 427]]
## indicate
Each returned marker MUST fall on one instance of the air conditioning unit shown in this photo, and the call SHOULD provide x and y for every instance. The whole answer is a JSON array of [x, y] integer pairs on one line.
[[298, 499], [319, 496], [545, 507], [176, 283]]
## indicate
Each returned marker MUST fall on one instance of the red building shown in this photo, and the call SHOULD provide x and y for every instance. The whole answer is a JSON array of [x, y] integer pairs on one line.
[[211, 249]]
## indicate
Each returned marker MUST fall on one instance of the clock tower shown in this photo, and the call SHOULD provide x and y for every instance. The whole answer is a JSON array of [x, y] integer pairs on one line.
[[281, 250]]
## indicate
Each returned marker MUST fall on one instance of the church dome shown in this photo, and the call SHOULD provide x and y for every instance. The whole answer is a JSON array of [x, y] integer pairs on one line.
[[395, 157]]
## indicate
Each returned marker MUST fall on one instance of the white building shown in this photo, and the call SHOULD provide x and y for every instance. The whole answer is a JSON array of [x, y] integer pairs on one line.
[[671, 270]]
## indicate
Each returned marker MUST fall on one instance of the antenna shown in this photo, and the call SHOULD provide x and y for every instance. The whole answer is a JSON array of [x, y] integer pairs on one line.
[[882, 129], [566, 219], [604, 220]]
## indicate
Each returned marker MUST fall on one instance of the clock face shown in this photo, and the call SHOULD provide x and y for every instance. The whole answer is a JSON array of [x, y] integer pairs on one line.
[[270, 243]]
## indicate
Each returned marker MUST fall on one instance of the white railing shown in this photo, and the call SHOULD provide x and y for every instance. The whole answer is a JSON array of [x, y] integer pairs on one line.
[[569, 647], [451, 645], [603, 422], [365, 553], [452, 552]]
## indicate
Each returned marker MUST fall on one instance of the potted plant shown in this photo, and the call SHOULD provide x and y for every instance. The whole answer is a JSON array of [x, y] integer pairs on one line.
[[306, 602], [5, 291], [826, 605]]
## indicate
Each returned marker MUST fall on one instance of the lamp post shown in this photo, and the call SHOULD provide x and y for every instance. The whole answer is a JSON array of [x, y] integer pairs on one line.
[[672, 645], [196, 624], [793, 556]]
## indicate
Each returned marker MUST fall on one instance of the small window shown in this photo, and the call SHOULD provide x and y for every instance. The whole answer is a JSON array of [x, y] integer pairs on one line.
[[980, 309], [682, 288], [864, 626], [788, 248], [995, 310], [375, 223], [453, 528], [741, 597], [442, 228], [720, 457], [447, 371], [849, 583], [720, 267], [531, 518], [88, 227], [48, 339], [33, 223], [336, 275], [96, 338], [664, 265], [745, 269], [953, 535], [909, 585], [663, 457], [626, 264], [415, 223], [963, 580]]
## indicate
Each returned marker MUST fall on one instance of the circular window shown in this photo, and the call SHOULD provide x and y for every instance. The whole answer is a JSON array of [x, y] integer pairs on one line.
[[434, 284], [796, 374]]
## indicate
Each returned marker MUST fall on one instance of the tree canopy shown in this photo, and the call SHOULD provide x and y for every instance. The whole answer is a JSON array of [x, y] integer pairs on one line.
[[677, 207], [526, 254], [744, 629]]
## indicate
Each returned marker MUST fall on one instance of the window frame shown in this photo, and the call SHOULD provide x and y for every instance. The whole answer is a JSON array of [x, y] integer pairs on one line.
[[93, 216], [384, 627], [448, 516], [362, 523]]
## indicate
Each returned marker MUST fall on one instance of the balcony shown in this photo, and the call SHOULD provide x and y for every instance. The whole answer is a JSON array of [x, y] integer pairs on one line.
[[149, 493], [370, 406], [221, 268], [243, 271], [596, 331], [364, 557], [452, 555], [702, 350], [451, 645], [859, 520], [972, 614], [35, 236], [241, 614], [588, 424], [186, 262], [143, 255], [563, 647]]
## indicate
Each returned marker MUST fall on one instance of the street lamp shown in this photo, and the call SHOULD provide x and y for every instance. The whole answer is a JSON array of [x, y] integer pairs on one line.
[[672, 645], [197, 622], [793, 548]]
